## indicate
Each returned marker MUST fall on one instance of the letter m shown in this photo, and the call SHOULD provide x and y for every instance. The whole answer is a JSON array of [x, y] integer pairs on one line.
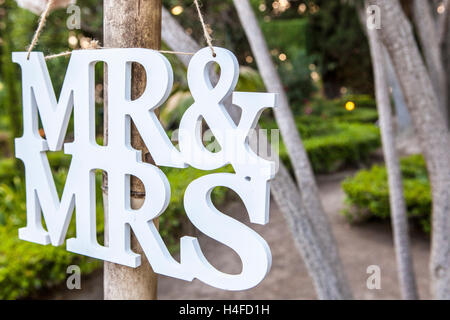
[[39, 98]]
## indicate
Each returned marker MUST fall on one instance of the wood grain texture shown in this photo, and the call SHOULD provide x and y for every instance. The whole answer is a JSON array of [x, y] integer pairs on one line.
[[131, 24]]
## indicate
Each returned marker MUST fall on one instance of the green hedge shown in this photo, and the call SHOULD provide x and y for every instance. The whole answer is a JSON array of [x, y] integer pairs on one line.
[[362, 115], [332, 145], [26, 267], [350, 145], [365, 108], [367, 193]]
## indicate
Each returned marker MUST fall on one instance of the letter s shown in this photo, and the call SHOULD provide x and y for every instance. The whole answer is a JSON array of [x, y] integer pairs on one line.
[[252, 249]]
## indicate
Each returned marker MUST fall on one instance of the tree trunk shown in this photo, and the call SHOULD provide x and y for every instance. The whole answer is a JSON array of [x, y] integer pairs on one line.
[[131, 24], [175, 37], [431, 47], [396, 33], [445, 42], [401, 111], [397, 201], [286, 194], [300, 162], [443, 22]]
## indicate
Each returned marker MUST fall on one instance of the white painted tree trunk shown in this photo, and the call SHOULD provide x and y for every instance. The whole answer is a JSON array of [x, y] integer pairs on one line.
[[401, 111], [396, 33], [445, 40], [397, 201], [329, 283], [431, 47]]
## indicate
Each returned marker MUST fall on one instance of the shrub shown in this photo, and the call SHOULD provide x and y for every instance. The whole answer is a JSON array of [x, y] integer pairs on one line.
[[361, 101], [332, 145], [367, 193], [350, 145], [361, 115], [365, 109], [26, 267]]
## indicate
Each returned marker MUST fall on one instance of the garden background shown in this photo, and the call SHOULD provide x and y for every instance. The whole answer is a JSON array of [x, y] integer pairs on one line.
[[322, 55]]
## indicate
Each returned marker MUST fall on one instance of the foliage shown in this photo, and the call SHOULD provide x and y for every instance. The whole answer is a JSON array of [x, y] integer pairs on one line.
[[349, 145], [334, 35], [249, 80], [361, 100], [296, 78], [16, 31], [222, 18], [365, 108], [367, 193], [287, 36], [174, 108], [334, 137], [283, 33], [361, 115], [295, 38], [9, 86], [26, 267], [332, 145]]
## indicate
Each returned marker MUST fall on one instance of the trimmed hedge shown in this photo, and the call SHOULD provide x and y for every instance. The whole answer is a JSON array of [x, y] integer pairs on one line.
[[365, 108], [350, 145], [362, 115], [367, 193], [332, 145], [26, 267]]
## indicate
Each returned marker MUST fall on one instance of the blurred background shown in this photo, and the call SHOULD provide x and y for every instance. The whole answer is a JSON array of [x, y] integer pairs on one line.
[[322, 56]]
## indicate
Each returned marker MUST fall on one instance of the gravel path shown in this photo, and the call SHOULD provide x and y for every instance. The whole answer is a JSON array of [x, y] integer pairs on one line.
[[360, 245]]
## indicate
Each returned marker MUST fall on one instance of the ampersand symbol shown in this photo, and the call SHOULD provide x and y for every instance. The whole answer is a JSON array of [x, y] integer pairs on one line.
[[210, 105]]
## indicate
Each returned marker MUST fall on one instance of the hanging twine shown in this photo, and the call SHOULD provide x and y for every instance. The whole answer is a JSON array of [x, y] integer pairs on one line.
[[40, 27], [205, 28], [94, 43]]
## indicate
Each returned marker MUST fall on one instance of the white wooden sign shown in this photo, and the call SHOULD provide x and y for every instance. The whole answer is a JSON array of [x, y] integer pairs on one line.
[[250, 180]]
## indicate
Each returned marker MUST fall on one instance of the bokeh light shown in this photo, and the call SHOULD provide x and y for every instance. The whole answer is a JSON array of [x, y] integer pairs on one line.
[[177, 10], [350, 106]]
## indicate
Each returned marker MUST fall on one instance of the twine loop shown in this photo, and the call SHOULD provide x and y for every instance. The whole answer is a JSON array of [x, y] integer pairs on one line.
[[40, 27], [94, 44], [205, 28]]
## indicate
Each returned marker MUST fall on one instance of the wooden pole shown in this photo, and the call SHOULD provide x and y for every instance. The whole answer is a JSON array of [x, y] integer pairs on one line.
[[130, 24]]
